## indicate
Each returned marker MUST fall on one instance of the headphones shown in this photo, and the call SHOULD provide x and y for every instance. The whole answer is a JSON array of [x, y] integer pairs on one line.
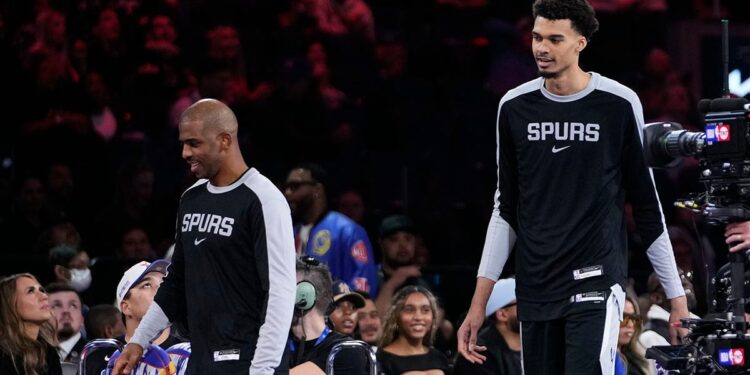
[[306, 294]]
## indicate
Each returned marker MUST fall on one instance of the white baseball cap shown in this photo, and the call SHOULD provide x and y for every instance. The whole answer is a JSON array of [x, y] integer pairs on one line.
[[134, 275], [503, 294]]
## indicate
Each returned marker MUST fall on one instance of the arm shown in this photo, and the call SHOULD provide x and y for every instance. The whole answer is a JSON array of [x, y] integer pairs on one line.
[[641, 192], [278, 277], [388, 289], [499, 240]]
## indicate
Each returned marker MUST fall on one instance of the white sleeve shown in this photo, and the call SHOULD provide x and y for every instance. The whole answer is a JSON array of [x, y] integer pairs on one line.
[[281, 288], [662, 258], [151, 326], [497, 244]]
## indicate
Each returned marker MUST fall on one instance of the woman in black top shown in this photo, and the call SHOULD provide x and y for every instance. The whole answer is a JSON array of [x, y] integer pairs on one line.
[[27, 336], [408, 333]]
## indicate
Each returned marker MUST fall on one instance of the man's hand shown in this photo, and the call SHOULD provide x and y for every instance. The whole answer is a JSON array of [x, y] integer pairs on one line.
[[401, 274], [467, 335], [128, 359], [738, 235], [678, 311]]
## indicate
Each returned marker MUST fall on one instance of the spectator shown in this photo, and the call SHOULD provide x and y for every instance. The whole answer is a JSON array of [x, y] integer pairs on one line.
[[27, 335], [656, 327], [409, 330], [631, 354], [104, 322], [71, 266], [327, 235], [398, 245], [135, 245], [310, 340], [368, 322], [135, 292], [68, 311], [502, 338], [344, 316]]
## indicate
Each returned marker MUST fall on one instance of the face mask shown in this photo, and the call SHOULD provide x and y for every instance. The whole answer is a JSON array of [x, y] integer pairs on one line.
[[80, 280]]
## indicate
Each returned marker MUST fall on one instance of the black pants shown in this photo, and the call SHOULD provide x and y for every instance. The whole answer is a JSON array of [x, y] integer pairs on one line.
[[582, 342]]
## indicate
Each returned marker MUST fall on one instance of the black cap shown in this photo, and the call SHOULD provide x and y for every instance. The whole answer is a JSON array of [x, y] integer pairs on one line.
[[396, 223]]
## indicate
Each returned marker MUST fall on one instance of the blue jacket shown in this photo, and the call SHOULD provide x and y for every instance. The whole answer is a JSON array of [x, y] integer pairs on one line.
[[343, 245]]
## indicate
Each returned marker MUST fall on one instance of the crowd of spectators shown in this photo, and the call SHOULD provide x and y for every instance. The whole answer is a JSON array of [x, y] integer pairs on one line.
[[396, 100]]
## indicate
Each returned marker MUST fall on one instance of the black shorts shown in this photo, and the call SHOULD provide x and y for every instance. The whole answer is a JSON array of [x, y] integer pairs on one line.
[[582, 342]]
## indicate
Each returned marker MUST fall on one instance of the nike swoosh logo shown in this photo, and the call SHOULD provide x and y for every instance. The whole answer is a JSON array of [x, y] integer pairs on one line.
[[556, 150], [198, 242], [107, 357]]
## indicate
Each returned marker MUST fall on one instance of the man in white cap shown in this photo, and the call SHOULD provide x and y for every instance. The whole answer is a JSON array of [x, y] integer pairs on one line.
[[501, 338], [135, 293]]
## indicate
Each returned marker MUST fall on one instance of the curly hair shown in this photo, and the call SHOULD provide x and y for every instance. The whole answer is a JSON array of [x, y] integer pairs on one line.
[[391, 330], [31, 353], [579, 12]]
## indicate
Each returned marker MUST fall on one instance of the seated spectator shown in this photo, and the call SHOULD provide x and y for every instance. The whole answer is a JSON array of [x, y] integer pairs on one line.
[[501, 338], [368, 322], [27, 337], [70, 266], [135, 245], [656, 327], [327, 235], [344, 316], [67, 308], [409, 330], [104, 322], [398, 244], [135, 292], [310, 340], [631, 357]]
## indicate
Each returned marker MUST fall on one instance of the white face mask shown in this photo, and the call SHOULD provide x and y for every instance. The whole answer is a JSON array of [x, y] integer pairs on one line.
[[80, 280]]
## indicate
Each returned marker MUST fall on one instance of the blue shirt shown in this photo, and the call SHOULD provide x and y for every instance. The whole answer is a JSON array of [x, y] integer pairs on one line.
[[343, 245]]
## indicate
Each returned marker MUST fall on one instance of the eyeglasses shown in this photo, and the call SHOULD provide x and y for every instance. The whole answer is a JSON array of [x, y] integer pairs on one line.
[[294, 185], [626, 318]]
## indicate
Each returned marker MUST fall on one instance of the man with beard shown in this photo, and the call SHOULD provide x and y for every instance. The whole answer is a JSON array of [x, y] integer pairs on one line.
[[66, 305], [502, 337], [569, 155], [326, 235], [398, 244]]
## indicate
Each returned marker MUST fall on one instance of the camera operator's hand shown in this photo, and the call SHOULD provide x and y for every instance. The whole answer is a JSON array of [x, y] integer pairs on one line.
[[737, 235], [679, 310]]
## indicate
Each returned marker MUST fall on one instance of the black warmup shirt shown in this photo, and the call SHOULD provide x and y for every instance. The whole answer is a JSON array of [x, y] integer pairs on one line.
[[232, 277], [566, 165]]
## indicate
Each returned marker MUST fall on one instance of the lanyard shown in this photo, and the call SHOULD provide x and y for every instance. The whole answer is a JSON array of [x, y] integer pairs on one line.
[[320, 339]]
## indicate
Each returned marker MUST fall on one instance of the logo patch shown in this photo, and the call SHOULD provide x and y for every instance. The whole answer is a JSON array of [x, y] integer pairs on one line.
[[359, 252], [322, 242], [227, 355], [360, 283], [556, 150], [198, 242]]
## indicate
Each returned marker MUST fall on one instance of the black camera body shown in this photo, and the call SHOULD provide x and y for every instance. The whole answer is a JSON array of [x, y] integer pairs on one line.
[[717, 344], [723, 153]]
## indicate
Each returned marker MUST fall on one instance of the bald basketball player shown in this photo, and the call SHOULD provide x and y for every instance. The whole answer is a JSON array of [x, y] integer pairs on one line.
[[232, 278]]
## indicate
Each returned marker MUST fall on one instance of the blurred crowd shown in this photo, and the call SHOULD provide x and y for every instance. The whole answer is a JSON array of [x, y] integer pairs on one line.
[[396, 100]]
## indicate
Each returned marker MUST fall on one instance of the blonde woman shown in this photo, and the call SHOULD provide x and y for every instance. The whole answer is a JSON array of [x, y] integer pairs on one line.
[[27, 334], [408, 333], [629, 348]]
